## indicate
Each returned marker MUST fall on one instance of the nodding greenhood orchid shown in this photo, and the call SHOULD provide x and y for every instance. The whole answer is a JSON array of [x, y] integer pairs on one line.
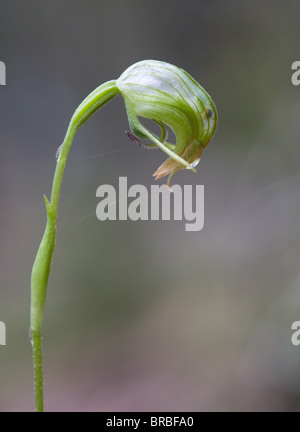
[[151, 89], [170, 96], [166, 94]]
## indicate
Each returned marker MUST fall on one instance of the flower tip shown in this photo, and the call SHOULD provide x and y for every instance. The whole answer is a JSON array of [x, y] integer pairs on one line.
[[157, 177], [168, 167]]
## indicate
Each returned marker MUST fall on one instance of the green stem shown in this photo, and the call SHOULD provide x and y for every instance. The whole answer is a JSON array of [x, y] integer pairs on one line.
[[43, 260], [36, 340]]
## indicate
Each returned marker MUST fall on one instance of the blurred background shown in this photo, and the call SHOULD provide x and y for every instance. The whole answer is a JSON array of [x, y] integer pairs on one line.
[[144, 316]]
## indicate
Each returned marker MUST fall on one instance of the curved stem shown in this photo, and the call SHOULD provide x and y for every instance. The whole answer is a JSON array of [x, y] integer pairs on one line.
[[43, 260]]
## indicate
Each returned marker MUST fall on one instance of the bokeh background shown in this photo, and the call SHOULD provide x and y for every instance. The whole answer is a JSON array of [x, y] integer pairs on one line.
[[143, 316]]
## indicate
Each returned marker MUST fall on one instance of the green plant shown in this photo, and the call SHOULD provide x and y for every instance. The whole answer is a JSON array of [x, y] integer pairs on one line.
[[151, 89]]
